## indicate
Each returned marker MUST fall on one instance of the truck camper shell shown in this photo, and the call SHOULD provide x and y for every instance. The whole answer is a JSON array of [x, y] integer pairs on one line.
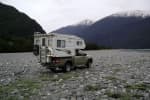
[[60, 45]]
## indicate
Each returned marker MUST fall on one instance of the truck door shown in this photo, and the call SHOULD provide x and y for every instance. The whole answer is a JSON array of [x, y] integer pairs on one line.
[[83, 60], [80, 59], [43, 42], [77, 60]]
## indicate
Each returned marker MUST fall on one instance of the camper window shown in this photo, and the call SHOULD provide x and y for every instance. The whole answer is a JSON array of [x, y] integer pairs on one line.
[[79, 43], [37, 42], [49, 42], [61, 43]]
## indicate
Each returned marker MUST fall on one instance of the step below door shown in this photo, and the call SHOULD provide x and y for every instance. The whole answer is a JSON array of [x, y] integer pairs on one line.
[[43, 55]]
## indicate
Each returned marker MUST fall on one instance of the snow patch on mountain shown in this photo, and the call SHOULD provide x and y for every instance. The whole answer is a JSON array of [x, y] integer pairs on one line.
[[85, 22], [136, 13]]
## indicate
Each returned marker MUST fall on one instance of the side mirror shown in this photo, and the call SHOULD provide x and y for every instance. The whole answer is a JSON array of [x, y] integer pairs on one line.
[[83, 54]]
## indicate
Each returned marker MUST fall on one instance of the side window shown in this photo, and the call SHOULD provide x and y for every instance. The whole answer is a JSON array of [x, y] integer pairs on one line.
[[43, 41], [61, 43]]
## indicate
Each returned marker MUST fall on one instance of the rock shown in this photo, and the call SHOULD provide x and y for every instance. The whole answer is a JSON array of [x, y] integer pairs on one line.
[[44, 97], [129, 66], [72, 98], [15, 91], [2, 80], [21, 97], [103, 90], [81, 86], [63, 85], [60, 80], [86, 72], [25, 89], [48, 93], [55, 76], [63, 99], [124, 90], [34, 90], [98, 93]]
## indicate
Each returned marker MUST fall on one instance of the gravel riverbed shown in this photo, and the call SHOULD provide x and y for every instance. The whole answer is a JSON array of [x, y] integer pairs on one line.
[[114, 75]]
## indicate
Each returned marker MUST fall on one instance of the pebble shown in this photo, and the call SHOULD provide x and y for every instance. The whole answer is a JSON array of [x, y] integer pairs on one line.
[[14, 91], [48, 93], [98, 92], [63, 99], [86, 72]]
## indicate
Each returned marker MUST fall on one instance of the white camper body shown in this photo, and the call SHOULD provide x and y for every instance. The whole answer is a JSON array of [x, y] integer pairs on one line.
[[59, 45]]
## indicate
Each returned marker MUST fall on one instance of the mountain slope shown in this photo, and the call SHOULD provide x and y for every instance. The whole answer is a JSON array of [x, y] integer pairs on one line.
[[16, 30], [121, 30]]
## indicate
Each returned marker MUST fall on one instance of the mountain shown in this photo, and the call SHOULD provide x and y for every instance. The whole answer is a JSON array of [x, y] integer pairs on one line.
[[121, 30], [16, 30], [76, 29]]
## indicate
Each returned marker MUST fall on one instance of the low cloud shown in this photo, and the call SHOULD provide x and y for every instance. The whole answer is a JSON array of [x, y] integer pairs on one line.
[[52, 14]]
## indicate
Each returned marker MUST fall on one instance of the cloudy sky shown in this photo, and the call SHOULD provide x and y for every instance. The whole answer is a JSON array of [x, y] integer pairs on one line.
[[52, 14]]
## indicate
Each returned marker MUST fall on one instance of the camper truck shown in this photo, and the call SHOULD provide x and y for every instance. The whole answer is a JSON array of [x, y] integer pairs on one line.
[[60, 51]]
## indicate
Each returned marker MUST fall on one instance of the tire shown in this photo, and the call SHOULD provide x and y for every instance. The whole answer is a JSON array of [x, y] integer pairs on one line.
[[53, 70], [74, 68], [89, 64], [67, 67]]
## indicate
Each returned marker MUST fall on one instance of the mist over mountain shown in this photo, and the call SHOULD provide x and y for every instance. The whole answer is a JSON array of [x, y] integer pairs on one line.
[[16, 30], [121, 30]]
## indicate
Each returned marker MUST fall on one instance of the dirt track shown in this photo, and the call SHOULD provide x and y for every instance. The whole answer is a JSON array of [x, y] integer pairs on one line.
[[115, 74]]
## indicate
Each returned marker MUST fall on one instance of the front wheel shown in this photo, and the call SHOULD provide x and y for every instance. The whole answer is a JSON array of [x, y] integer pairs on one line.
[[89, 64], [67, 67]]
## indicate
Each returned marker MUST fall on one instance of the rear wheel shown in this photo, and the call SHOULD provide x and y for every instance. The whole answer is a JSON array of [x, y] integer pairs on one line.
[[67, 67], [53, 70]]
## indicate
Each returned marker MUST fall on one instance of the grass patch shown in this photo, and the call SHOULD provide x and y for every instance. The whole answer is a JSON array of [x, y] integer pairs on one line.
[[129, 95], [113, 95], [140, 86], [111, 78], [21, 89], [92, 87], [124, 96], [120, 96], [138, 96], [116, 70], [57, 77]]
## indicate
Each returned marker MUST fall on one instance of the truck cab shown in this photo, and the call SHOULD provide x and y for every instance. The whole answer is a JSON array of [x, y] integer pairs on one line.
[[60, 52]]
